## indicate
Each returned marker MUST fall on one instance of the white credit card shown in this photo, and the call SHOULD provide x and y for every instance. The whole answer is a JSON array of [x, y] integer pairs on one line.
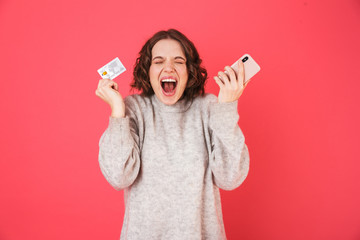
[[112, 69]]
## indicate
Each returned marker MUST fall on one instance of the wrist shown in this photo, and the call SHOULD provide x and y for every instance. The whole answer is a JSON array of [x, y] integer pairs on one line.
[[117, 112], [117, 115]]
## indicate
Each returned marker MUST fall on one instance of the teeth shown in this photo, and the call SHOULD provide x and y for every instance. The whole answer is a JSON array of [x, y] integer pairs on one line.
[[168, 80]]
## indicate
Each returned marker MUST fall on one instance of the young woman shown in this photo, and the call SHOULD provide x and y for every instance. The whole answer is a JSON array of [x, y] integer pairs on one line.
[[172, 147]]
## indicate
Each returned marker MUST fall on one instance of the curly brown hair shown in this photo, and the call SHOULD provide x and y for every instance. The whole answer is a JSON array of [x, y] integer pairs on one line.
[[197, 75]]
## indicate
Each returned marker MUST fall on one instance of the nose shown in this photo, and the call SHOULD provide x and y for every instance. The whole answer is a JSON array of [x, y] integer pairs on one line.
[[169, 66]]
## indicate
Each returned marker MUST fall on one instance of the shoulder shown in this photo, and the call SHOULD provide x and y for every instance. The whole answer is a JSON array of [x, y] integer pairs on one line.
[[205, 100], [202, 104], [210, 98], [137, 105], [136, 100]]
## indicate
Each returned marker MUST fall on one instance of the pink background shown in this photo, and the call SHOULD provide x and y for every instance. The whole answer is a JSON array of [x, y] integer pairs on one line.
[[300, 114]]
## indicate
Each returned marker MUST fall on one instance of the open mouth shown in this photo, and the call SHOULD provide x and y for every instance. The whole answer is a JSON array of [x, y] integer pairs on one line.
[[168, 85]]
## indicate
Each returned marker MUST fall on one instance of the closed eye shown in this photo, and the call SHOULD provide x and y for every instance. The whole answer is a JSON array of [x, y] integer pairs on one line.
[[180, 60]]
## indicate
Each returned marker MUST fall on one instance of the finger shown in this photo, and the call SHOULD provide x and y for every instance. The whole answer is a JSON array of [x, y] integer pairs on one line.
[[99, 93], [224, 78], [116, 86], [232, 76], [108, 83], [105, 82], [220, 79], [100, 83], [219, 82], [113, 85], [241, 73], [102, 91]]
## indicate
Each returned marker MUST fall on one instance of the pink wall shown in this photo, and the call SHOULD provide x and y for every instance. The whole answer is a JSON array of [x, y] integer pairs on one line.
[[300, 114]]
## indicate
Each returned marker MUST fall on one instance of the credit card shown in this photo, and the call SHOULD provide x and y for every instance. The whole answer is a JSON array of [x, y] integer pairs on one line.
[[112, 69]]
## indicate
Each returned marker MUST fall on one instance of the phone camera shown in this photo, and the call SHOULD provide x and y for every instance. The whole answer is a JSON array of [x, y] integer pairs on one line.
[[245, 59]]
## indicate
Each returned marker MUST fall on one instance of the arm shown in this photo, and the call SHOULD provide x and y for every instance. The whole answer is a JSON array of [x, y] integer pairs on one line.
[[229, 160], [119, 156], [230, 156]]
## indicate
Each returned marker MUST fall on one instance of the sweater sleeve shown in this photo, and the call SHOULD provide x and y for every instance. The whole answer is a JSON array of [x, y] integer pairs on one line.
[[229, 160], [119, 157]]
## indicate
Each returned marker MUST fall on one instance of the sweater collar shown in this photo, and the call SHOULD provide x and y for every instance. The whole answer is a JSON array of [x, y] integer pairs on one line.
[[180, 106]]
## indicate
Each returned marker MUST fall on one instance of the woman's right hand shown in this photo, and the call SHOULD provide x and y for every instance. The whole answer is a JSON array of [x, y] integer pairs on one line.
[[107, 90]]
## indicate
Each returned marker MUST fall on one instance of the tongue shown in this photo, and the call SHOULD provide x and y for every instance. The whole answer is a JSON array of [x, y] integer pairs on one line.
[[169, 86]]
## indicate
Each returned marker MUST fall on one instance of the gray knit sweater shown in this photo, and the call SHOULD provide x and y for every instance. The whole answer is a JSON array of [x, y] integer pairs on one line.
[[171, 162]]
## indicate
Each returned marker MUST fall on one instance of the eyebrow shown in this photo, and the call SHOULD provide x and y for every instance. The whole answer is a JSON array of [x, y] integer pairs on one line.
[[160, 57]]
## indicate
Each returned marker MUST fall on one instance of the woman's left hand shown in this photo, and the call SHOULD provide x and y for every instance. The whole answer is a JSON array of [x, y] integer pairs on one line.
[[231, 85]]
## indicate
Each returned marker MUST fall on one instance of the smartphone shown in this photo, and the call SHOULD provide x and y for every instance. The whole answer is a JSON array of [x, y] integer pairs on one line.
[[251, 67]]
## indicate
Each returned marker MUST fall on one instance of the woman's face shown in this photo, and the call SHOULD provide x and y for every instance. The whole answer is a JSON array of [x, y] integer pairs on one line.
[[168, 72]]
